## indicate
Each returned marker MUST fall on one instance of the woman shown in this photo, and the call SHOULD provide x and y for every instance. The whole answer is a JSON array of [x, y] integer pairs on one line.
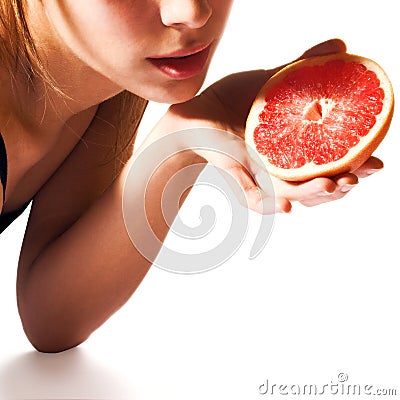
[[74, 78]]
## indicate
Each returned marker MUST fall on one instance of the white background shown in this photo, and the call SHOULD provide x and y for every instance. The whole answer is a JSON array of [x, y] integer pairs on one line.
[[322, 298]]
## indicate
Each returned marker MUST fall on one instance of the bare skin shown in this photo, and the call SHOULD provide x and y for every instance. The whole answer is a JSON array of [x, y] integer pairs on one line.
[[77, 264]]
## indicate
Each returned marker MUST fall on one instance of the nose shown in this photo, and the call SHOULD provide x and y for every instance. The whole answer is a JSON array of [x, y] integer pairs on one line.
[[191, 14]]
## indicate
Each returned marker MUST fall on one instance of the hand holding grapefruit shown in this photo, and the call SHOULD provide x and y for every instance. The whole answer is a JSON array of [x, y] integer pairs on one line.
[[320, 116]]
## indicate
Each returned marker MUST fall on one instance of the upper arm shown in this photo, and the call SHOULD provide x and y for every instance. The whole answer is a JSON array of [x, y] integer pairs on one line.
[[86, 173]]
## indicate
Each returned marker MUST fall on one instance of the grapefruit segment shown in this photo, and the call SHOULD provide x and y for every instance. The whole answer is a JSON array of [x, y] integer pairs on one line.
[[320, 116]]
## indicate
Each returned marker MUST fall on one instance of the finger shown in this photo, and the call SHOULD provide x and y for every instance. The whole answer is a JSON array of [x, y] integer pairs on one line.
[[263, 183], [265, 205], [345, 182], [282, 205], [328, 47], [372, 165], [299, 191], [316, 201], [321, 198], [248, 193]]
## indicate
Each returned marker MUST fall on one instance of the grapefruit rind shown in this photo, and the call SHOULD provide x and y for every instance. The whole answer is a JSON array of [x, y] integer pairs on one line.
[[356, 155]]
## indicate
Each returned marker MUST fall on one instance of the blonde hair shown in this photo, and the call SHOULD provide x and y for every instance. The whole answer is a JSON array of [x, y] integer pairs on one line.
[[17, 50]]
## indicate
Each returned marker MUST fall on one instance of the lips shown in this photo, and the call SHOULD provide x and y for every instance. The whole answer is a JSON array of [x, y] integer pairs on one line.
[[182, 64]]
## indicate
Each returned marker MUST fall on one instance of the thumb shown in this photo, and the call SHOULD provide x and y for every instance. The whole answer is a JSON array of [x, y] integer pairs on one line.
[[324, 48], [254, 189], [248, 192]]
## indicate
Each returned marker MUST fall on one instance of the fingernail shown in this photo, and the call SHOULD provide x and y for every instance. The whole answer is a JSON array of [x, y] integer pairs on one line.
[[347, 188], [325, 193], [372, 171]]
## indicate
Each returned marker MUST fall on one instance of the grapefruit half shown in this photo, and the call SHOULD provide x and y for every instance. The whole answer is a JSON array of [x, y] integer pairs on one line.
[[320, 116]]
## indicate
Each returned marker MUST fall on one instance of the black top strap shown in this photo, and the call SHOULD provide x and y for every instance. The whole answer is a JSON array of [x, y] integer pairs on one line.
[[3, 165], [6, 218]]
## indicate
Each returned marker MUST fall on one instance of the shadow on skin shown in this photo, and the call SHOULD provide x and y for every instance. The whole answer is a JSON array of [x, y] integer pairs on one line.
[[63, 376]]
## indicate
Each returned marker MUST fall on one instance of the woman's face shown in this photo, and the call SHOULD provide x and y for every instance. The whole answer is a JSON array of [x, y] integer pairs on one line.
[[158, 49]]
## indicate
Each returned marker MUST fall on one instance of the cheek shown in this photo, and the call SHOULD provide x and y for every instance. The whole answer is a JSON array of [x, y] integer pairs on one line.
[[96, 29]]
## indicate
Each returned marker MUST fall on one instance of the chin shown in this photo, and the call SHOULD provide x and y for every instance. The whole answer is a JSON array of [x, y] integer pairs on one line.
[[176, 99], [176, 92], [171, 98]]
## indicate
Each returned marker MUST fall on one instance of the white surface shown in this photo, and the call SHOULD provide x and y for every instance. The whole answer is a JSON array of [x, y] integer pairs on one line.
[[321, 299]]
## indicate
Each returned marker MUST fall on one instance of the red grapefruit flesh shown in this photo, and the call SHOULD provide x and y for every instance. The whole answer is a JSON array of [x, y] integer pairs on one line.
[[320, 116]]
